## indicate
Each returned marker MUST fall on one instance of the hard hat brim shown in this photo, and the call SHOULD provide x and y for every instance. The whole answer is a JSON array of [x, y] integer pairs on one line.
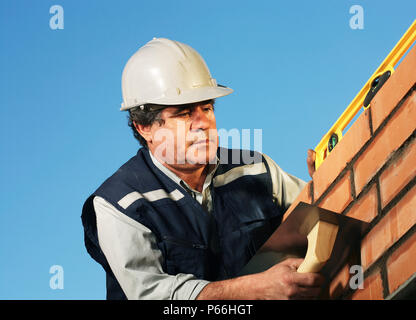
[[185, 97]]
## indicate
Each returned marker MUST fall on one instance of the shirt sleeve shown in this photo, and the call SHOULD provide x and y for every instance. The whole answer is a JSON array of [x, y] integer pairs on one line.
[[131, 251], [286, 187]]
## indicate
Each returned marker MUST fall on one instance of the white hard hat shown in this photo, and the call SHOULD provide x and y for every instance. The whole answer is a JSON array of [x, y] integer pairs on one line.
[[167, 72]]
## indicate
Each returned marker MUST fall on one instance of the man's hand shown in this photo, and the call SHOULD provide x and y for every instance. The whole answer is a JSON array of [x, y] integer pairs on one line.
[[284, 283], [280, 282], [311, 161]]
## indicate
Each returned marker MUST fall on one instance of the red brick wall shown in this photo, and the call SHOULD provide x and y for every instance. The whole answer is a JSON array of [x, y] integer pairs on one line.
[[371, 175]]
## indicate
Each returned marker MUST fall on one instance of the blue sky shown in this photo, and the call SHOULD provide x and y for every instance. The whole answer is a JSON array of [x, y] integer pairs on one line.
[[294, 66]]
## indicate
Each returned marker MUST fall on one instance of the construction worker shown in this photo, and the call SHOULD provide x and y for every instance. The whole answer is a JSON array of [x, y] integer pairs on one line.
[[182, 218]]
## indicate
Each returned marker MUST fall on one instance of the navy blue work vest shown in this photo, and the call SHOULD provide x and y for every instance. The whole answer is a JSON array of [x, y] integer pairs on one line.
[[212, 246]]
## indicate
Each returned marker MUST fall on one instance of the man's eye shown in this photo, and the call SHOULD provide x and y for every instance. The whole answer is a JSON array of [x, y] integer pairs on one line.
[[185, 114]]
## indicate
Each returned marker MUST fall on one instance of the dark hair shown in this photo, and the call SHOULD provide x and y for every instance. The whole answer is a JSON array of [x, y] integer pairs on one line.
[[151, 114], [146, 117]]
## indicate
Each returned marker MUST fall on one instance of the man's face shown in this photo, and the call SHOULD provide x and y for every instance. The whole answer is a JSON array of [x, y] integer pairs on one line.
[[187, 138]]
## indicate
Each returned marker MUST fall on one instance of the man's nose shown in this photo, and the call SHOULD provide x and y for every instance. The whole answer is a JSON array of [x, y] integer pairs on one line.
[[200, 119]]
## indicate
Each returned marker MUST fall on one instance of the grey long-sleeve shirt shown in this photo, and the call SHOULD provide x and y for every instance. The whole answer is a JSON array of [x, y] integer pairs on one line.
[[132, 253]]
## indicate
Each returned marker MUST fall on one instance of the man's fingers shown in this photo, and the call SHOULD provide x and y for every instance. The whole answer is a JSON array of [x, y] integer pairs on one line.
[[308, 279], [293, 263], [294, 285], [310, 161], [311, 156]]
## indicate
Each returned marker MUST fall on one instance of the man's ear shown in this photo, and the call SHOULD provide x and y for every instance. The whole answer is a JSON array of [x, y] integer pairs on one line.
[[144, 131]]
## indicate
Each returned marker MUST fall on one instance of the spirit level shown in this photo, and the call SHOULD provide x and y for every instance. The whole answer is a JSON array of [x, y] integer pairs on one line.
[[363, 98]]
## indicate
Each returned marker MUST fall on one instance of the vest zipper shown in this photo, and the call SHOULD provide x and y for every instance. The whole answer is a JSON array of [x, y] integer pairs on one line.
[[184, 243]]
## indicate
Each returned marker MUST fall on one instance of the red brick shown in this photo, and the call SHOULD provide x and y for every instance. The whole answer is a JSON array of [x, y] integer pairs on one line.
[[304, 196], [365, 208], [390, 228], [373, 288], [398, 174], [394, 89], [344, 151], [391, 137], [402, 263], [339, 197]]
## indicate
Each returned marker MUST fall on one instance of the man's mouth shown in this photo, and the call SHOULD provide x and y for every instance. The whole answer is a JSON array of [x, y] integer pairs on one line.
[[203, 142]]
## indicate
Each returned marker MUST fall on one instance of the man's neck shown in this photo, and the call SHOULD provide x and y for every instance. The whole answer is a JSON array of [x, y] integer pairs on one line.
[[193, 175]]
